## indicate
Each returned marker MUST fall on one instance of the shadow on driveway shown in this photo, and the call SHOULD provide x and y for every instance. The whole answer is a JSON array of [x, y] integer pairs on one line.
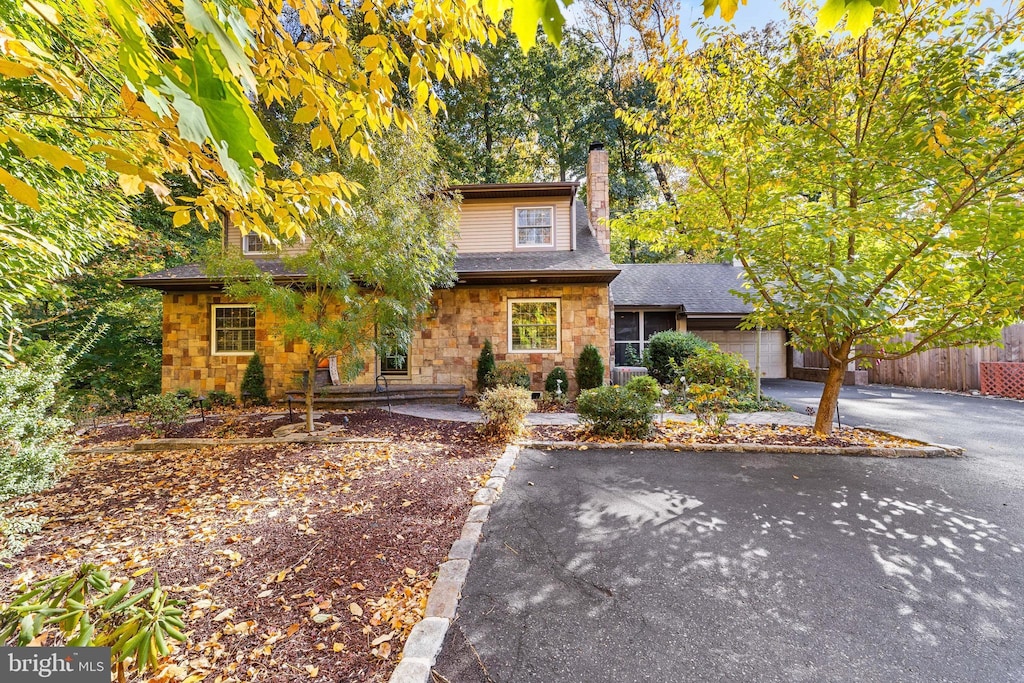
[[610, 566]]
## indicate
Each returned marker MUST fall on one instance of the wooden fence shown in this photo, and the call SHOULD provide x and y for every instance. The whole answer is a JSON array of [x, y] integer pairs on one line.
[[955, 369]]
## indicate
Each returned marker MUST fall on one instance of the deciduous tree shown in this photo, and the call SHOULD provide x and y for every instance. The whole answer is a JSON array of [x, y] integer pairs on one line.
[[870, 187]]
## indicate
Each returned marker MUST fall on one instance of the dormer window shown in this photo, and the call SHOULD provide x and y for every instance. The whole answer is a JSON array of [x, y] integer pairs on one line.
[[253, 244], [535, 226]]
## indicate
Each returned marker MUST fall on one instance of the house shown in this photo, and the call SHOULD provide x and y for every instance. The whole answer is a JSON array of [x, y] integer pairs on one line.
[[693, 297], [533, 273]]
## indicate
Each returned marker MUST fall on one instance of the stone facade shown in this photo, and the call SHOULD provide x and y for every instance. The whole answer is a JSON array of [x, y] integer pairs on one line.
[[444, 349]]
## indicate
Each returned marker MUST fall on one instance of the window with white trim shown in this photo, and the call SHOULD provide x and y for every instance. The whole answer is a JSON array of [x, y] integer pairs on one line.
[[234, 329], [535, 226], [534, 325], [253, 243]]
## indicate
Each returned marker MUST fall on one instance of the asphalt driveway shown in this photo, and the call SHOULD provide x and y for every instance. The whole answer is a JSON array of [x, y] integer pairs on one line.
[[618, 566]]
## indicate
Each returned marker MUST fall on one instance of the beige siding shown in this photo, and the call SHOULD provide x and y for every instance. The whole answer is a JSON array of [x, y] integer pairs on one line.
[[489, 224], [234, 241]]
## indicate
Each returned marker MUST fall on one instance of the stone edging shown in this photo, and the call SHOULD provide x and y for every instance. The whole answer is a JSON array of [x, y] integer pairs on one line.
[[427, 637], [923, 451]]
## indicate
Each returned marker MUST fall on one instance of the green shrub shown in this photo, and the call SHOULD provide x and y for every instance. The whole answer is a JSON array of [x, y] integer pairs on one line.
[[510, 373], [589, 368], [665, 347], [730, 370], [646, 387], [618, 412], [220, 398], [254, 383], [504, 410], [551, 383], [185, 393], [485, 367], [162, 413], [84, 608], [710, 405]]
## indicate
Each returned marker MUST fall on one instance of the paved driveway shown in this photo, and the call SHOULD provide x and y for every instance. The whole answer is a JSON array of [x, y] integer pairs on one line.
[[617, 566]]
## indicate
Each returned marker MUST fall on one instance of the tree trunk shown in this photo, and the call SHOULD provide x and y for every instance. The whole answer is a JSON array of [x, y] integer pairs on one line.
[[310, 388], [837, 363]]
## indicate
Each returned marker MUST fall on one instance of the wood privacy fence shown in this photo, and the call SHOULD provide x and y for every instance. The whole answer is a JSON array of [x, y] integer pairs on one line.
[[955, 369]]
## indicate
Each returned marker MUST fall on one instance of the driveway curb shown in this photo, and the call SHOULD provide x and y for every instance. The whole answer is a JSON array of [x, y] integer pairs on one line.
[[156, 445], [427, 637], [924, 451]]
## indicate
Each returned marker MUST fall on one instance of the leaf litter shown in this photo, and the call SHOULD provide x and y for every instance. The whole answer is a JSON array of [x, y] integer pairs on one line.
[[298, 562]]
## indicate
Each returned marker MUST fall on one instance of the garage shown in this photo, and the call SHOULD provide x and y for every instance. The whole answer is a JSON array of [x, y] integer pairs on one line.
[[744, 342]]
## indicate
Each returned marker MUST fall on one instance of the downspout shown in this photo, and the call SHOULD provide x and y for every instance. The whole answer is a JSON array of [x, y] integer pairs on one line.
[[572, 220]]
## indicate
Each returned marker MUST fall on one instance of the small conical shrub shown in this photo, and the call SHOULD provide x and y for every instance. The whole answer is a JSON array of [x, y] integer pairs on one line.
[[485, 367], [551, 383], [254, 383], [589, 368]]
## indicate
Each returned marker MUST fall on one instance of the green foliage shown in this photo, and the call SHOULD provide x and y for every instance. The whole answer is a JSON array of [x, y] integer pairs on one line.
[[646, 387], [219, 398], [504, 410], [712, 366], [866, 236], [667, 347], [33, 436], [589, 368], [485, 366], [162, 413], [84, 608], [710, 405], [510, 373], [617, 412], [551, 383], [254, 383]]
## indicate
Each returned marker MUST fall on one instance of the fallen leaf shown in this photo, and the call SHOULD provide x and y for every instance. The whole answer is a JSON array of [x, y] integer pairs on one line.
[[355, 609], [312, 670], [382, 639]]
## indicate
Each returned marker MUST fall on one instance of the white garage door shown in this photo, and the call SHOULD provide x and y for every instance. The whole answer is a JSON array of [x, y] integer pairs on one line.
[[773, 348]]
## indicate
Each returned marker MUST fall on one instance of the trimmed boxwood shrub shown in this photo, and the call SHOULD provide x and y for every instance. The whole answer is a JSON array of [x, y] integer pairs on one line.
[[551, 383], [589, 368], [619, 412], [665, 347]]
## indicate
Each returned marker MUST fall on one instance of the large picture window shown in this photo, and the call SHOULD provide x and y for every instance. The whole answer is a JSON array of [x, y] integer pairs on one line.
[[535, 226], [234, 329], [533, 325]]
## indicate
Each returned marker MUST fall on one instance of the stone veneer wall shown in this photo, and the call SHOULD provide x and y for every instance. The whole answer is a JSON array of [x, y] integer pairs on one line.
[[444, 348]]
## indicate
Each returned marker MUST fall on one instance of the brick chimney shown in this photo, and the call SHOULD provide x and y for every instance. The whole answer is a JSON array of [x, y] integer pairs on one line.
[[597, 195]]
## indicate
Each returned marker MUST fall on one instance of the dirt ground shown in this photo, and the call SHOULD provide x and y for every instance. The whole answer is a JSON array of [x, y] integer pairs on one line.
[[298, 562]]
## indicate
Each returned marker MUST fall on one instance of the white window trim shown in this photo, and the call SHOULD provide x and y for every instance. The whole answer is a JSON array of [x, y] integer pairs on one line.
[[558, 324], [213, 331], [249, 252], [515, 221]]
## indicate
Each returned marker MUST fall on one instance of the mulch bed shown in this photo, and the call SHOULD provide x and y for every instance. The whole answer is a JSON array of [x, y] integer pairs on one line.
[[297, 561], [774, 435]]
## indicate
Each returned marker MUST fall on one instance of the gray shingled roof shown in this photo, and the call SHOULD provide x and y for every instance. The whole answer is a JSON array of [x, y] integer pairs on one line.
[[193, 273], [700, 288]]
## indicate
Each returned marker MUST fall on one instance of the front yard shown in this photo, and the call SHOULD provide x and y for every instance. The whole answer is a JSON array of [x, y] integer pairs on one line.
[[297, 561]]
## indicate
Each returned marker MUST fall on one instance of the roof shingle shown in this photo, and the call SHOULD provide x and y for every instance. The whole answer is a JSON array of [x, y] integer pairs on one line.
[[700, 288]]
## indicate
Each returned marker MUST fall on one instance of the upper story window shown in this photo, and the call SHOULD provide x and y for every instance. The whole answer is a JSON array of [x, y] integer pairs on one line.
[[234, 329], [254, 244], [535, 226]]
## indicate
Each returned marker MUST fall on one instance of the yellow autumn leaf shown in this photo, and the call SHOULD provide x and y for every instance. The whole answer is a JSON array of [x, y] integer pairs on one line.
[[33, 148], [181, 218], [305, 115], [15, 69], [355, 609], [312, 670], [19, 190]]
